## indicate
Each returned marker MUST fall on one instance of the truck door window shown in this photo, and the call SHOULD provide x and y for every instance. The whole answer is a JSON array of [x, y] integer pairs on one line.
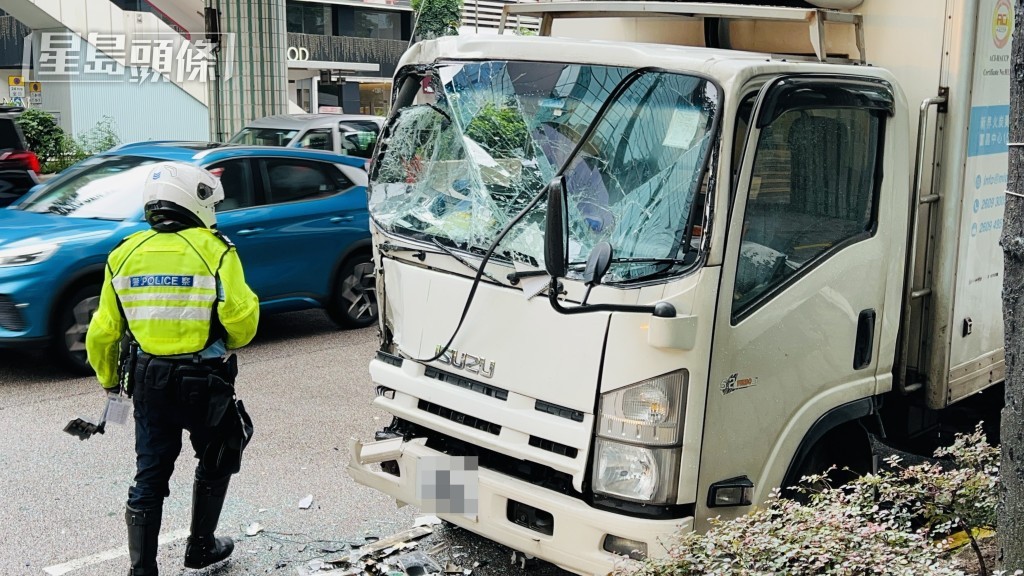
[[811, 191]]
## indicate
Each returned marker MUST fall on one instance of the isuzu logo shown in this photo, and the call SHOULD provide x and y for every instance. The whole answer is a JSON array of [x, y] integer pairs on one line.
[[467, 362]]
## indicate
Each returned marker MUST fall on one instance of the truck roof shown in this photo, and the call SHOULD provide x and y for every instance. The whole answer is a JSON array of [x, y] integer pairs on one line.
[[719, 64]]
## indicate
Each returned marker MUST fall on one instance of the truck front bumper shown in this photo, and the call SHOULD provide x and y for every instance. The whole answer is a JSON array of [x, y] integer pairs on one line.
[[579, 531]]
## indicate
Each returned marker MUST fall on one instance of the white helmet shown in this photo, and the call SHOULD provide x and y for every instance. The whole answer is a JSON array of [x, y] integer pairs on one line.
[[181, 192]]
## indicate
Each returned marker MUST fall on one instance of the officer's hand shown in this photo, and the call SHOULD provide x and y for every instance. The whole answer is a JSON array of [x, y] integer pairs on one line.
[[113, 390]]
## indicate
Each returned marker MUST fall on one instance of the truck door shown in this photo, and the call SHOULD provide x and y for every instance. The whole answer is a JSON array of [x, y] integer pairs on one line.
[[808, 266]]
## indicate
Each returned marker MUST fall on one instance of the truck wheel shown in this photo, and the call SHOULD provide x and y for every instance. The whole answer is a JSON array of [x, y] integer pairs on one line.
[[72, 321], [354, 301]]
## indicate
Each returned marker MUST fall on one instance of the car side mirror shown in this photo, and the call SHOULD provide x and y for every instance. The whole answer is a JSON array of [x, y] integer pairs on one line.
[[555, 256]]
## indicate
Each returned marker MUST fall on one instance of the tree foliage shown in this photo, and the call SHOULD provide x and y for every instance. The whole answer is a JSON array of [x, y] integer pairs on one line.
[[500, 130], [437, 18], [42, 134], [56, 148]]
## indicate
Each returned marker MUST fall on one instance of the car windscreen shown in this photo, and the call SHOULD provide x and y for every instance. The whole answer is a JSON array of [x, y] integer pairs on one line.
[[264, 136], [106, 188], [10, 137]]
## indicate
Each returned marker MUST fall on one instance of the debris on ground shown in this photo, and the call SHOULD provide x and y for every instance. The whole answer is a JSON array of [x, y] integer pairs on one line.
[[395, 555], [254, 529], [306, 502]]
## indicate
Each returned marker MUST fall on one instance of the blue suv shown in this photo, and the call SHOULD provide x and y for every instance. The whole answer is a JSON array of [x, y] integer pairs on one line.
[[298, 218]]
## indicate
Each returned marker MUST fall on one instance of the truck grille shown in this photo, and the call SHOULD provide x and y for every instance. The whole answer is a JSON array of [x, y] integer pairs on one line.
[[10, 317], [472, 385], [459, 417], [560, 411], [555, 447], [525, 470]]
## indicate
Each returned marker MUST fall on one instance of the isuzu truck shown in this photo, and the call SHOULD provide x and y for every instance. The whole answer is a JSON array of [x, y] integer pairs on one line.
[[641, 269]]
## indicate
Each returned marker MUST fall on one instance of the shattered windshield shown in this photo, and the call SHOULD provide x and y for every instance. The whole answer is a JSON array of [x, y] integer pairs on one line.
[[480, 140]]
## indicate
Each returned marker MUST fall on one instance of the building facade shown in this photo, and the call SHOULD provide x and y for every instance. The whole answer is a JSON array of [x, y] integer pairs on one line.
[[337, 56], [342, 54]]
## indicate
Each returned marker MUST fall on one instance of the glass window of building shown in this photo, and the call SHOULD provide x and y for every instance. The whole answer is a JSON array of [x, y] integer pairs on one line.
[[306, 18], [378, 24]]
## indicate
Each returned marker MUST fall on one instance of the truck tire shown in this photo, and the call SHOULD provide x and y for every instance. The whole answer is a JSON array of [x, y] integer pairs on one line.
[[354, 301], [71, 322]]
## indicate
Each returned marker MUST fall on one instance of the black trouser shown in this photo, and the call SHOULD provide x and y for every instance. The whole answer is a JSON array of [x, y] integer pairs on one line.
[[169, 396]]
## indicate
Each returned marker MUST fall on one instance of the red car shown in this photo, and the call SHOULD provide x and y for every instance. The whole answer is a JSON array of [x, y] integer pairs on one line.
[[19, 167]]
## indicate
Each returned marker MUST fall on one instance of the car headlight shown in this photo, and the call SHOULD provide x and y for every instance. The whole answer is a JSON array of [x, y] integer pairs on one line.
[[647, 413], [25, 255], [635, 472]]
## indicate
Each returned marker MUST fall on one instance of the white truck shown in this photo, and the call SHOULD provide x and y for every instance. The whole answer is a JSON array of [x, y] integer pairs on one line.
[[668, 256]]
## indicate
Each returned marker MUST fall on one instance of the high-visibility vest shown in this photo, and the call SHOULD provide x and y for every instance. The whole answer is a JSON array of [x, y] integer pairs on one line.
[[167, 288]]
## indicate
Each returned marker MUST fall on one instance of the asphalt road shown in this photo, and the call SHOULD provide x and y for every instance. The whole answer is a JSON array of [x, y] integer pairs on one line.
[[307, 388]]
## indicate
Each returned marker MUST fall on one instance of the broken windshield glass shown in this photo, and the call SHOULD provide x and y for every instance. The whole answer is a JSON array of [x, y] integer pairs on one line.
[[480, 140]]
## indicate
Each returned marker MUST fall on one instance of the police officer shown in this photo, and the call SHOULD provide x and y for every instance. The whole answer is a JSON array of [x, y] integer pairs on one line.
[[174, 299]]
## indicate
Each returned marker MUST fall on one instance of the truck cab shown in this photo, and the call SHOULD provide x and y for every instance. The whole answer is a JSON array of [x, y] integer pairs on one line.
[[638, 281]]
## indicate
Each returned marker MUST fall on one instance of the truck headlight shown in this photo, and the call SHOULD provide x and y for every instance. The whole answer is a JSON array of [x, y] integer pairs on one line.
[[636, 473], [25, 255], [638, 448], [648, 413]]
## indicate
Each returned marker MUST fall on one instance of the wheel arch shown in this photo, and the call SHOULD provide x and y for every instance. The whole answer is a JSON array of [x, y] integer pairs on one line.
[[91, 274], [363, 246], [840, 418]]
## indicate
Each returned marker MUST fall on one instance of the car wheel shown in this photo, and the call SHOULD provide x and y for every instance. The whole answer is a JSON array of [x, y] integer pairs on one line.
[[354, 302], [73, 318]]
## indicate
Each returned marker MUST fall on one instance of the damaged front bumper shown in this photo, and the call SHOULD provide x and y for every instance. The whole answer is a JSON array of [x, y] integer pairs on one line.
[[577, 531]]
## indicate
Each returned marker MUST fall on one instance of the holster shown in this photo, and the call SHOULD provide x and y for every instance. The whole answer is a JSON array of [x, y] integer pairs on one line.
[[129, 359]]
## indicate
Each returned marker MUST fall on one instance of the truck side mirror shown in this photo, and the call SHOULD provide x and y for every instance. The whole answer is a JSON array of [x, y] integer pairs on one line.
[[554, 230]]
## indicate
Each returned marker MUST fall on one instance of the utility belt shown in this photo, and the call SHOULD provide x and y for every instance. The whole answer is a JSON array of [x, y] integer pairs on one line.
[[203, 389], [134, 362]]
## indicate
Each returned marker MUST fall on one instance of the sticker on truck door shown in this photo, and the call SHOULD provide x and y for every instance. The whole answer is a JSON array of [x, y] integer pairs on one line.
[[734, 383]]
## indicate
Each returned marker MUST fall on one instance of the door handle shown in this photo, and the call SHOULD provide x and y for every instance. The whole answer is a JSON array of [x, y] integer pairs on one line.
[[340, 219], [250, 231], [865, 339]]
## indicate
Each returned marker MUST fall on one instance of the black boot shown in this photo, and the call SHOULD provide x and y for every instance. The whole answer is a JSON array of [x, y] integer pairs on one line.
[[203, 547], [143, 531]]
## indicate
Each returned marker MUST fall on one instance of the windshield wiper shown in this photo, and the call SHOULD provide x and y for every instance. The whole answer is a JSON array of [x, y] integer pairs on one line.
[[463, 261], [666, 264], [579, 265]]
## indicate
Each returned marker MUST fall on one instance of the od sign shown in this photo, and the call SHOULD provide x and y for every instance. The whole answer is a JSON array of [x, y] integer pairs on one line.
[[298, 53]]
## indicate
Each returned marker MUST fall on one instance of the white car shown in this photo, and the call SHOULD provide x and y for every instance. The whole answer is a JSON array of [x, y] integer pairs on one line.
[[349, 134]]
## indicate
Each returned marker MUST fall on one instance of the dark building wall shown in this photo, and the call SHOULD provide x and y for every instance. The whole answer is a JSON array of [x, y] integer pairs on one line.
[[350, 34], [12, 41]]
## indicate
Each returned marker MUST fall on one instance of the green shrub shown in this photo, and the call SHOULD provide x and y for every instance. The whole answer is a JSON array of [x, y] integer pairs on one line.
[[58, 150], [896, 522], [42, 134], [100, 138]]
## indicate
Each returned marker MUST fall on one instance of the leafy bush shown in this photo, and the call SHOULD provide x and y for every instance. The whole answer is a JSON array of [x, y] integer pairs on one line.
[[42, 134], [100, 138], [57, 149], [895, 522]]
